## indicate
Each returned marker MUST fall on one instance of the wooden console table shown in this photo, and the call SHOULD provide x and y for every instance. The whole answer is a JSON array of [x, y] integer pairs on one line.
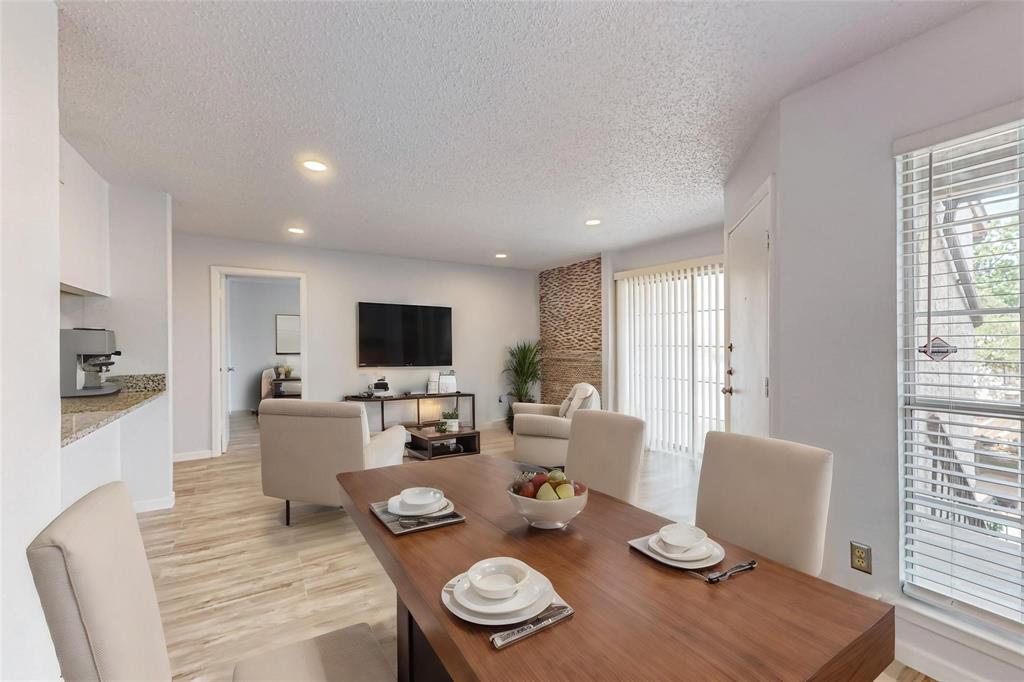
[[418, 397]]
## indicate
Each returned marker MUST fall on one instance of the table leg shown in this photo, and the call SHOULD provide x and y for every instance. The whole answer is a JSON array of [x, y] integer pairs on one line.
[[418, 422], [472, 402], [382, 415], [417, 661]]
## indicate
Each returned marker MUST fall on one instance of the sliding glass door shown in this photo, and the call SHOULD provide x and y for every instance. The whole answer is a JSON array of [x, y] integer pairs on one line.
[[670, 351]]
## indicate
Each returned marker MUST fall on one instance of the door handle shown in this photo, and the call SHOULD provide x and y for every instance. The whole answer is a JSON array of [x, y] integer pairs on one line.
[[231, 369], [727, 390]]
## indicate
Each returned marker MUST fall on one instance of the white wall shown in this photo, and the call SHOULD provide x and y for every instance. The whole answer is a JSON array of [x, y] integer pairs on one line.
[[29, 315], [492, 307], [253, 304], [695, 244], [834, 272], [138, 310]]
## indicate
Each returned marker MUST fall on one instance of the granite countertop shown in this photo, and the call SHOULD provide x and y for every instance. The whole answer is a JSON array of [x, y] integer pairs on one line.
[[81, 416]]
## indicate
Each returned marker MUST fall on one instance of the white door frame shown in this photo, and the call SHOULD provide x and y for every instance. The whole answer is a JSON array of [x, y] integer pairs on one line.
[[218, 281], [764, 191]]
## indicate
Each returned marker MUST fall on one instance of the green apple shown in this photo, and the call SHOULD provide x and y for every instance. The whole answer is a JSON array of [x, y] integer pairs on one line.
[[547, 493], [556, 476], [565, 490]]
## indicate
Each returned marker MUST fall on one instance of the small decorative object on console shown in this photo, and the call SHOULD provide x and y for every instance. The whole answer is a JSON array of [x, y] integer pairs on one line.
[[446, 382]]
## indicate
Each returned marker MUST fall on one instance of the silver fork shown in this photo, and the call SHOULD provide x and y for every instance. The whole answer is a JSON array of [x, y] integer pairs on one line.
[[719, 576]]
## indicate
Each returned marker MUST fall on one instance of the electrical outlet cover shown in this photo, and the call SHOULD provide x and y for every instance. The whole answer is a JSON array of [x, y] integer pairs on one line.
[[860, 557]]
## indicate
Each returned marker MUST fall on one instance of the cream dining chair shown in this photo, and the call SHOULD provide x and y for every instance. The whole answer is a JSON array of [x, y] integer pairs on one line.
[[605, 452], [93, 580], [769, 496]]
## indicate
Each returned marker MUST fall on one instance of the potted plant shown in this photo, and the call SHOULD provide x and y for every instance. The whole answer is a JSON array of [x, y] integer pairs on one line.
[[441, 426], [522, 371], [451, 418]]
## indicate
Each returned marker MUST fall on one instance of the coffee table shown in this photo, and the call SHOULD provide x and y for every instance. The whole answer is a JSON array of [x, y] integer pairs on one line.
[[427, 443]]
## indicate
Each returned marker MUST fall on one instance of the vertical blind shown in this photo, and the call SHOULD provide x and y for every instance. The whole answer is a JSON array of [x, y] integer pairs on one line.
[[961, 356], [670, 342]]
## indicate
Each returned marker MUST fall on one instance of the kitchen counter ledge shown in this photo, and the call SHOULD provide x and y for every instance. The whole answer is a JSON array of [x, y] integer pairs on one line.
[[81, 416]]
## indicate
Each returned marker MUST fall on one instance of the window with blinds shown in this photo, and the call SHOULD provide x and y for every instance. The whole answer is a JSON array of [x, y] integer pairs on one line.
[[961, 358], [670, 339]]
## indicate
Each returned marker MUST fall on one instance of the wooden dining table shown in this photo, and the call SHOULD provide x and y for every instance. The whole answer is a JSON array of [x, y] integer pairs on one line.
[[635, 619]]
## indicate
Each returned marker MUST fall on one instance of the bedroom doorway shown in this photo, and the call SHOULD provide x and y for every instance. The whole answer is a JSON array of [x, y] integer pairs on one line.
[[259, 343]]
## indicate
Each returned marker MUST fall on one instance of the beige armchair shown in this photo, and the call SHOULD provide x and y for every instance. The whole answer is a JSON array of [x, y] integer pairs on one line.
[[93, 580], [541, 431], [304, 445]]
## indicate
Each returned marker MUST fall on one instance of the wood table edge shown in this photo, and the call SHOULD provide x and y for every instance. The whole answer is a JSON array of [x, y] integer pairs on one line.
[[454, 662], [866, 657]]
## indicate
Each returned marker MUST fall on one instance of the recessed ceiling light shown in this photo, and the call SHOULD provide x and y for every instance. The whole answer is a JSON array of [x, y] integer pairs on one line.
[[592, 222], [501, 255], [296, 230], [317, 166]]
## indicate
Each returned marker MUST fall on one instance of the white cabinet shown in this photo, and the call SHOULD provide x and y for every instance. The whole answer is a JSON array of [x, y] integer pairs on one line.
[[84, 226]]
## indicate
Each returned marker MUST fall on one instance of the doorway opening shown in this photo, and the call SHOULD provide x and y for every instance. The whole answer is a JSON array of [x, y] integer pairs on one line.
[[259, 344]]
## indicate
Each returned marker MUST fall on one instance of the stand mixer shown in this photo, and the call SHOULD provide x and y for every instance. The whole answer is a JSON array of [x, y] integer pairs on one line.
[[85, 356]]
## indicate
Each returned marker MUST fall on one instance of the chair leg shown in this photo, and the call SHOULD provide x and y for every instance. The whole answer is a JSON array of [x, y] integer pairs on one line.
[[287, 512]]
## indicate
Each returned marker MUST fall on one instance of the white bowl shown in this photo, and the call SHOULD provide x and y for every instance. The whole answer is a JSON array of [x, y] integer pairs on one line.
[[549, 514], [499, 577], [681, 536], [420, 499]]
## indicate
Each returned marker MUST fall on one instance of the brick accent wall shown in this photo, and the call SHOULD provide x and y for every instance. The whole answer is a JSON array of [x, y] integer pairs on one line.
[[570, 328]]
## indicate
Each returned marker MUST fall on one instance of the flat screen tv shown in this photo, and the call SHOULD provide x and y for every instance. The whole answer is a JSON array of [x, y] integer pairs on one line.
[[392, 335]]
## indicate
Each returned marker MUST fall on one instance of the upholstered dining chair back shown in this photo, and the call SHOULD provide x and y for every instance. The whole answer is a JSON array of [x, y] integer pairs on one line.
[[605, 452], [767, 495], [93, 579], [305, 444]]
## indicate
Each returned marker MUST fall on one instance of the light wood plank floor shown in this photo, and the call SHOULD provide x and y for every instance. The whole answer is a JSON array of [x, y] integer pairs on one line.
[[233, 580]]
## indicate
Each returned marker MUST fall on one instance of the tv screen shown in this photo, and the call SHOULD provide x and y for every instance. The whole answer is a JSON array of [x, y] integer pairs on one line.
[[393, 335]]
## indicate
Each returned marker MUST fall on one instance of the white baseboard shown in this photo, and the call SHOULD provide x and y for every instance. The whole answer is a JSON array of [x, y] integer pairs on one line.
[[195, 454], [154, 504]]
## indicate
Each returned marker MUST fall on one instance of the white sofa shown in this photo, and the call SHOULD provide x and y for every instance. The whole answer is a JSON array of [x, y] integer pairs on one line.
[[541, 431]]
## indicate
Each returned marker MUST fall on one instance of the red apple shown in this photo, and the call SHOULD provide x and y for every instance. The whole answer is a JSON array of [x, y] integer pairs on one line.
[[538, 480], [528, 490], [578, 487]]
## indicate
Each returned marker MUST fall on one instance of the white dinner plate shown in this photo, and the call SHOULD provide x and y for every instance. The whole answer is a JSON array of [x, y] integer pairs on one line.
[[396, 507], [642, 546], [533, 588], [448, 599], [695, 553]]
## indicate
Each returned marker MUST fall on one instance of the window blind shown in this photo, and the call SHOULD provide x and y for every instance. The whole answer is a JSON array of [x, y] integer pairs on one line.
[[961, 359], [670, 352]]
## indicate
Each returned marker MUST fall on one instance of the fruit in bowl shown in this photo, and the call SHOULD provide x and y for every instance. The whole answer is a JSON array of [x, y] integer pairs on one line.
[[547, 500]]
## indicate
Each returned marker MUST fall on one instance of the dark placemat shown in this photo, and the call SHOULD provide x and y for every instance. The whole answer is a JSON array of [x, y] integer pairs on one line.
[[380, 510]]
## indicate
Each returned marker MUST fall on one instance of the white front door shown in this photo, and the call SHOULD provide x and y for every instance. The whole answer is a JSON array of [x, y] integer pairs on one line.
[[748, 386]]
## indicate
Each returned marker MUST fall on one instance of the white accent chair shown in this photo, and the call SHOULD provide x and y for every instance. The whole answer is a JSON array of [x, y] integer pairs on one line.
[[541, 431], [767, 495], [606, 450], [93, 580], [305, 444]]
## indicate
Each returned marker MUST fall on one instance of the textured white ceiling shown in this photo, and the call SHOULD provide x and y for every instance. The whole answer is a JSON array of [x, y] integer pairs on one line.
[[454, 131]]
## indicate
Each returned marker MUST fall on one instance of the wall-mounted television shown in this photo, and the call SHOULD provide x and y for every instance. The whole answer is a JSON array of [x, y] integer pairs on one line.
[[392, 335]]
